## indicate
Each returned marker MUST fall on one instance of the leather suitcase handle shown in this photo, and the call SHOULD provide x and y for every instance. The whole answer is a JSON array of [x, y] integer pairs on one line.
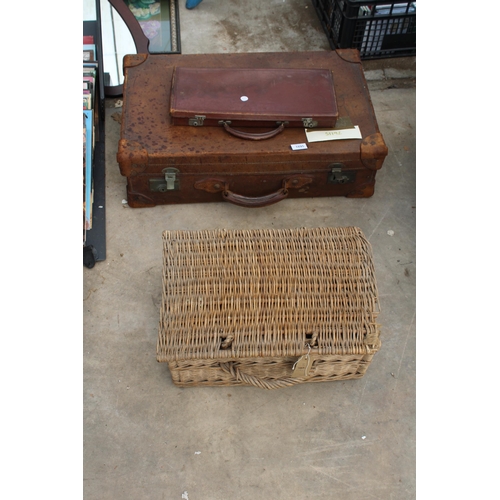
[[218, 185], [259, 201], [253, 137]]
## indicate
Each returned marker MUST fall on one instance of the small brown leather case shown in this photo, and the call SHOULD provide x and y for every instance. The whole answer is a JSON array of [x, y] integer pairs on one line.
[[253, 97]]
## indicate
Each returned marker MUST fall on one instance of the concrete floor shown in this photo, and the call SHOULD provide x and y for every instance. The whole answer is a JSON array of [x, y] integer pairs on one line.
[[144, 438]]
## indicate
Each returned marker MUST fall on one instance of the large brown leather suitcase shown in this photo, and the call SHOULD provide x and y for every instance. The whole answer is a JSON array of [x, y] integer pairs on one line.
[[166, 163]]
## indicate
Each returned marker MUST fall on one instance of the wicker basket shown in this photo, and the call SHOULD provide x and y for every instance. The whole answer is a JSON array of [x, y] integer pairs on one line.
[[269, 308]]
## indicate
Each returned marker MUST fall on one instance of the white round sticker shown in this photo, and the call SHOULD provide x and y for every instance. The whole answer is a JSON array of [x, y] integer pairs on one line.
[[244, 98]]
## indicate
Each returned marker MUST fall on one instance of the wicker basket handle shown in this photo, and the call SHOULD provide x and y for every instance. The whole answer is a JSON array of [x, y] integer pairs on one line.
[[262, 383]]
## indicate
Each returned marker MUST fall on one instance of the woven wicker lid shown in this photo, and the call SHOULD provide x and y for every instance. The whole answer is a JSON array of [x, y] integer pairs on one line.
[[273, 292]]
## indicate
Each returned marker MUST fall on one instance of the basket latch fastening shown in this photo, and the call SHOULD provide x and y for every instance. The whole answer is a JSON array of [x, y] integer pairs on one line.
[[302, 366]]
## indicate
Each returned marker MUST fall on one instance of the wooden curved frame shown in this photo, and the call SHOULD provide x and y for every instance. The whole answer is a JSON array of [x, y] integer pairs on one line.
[[141, 41]]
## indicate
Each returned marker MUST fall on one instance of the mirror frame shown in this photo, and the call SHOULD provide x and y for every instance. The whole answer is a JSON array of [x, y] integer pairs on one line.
[[141, 41]]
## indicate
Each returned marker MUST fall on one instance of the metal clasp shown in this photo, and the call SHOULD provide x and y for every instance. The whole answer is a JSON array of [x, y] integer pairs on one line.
[[309, 123], [170, 177], [336, 176], [197, 121], [169, 183]]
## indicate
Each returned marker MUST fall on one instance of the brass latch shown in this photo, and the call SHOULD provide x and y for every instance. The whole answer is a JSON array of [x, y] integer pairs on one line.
[[169, 183], [309, 123], [197, 121], [336, 176]]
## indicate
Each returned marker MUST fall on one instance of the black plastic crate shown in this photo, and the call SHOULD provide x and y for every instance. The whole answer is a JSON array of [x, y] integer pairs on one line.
[[378, 29]]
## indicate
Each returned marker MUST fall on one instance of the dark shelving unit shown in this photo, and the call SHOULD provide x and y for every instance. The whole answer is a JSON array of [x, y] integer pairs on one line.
[[95, 241]]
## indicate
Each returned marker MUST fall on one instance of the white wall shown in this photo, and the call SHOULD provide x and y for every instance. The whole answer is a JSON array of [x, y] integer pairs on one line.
[[88, 10]]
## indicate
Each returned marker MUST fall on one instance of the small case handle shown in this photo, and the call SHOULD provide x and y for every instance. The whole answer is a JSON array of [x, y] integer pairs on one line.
[[249, 135]]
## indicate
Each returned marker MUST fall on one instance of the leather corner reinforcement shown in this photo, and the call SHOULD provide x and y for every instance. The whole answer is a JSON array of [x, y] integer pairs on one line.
[[132, 157], [373, 151]]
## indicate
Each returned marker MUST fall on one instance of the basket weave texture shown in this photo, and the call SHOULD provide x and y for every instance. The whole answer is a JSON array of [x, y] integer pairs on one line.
[[241, 307]]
